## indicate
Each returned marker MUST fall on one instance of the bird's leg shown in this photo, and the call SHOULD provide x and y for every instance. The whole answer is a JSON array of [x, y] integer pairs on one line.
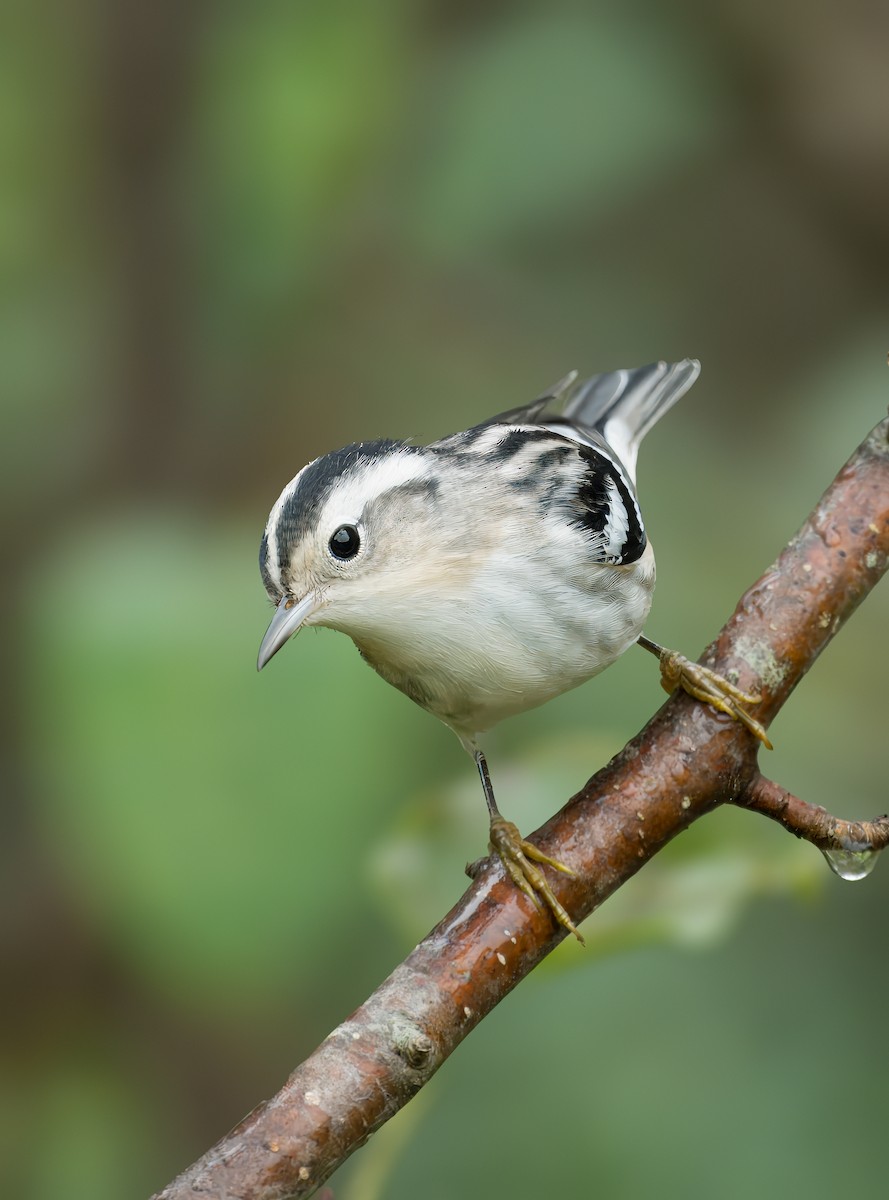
[[705, 685], [518, 856]]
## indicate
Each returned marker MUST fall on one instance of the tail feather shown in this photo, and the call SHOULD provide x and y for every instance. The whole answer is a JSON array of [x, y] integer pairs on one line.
[[623, 405]]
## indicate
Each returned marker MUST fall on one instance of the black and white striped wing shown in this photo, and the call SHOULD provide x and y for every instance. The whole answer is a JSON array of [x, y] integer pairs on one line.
[[614, 410], [604, 504], [604, 507], [565, 471]]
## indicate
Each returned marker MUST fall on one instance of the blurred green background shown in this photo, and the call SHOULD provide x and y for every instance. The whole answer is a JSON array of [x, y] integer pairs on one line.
[[235, 236]]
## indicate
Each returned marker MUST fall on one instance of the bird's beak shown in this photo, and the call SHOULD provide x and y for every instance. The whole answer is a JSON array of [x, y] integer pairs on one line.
[[289, 615]]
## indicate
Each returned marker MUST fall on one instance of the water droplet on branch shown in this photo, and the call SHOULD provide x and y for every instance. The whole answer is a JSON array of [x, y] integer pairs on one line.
[[851, 865]]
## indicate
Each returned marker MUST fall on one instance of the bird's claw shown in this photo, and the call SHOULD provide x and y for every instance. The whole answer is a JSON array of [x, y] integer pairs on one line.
[[710, 688], [519, 858]]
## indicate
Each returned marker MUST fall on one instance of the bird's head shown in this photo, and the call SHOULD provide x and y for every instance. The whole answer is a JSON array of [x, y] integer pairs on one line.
[[341, 541]]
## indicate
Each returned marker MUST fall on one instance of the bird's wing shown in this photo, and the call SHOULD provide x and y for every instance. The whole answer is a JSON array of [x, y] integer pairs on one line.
[[616, 408]]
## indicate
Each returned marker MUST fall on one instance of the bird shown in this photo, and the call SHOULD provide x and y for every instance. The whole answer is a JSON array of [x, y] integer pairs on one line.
[[491, 570]]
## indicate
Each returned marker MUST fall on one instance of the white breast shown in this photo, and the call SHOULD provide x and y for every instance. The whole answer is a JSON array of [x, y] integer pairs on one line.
[[523, 630]]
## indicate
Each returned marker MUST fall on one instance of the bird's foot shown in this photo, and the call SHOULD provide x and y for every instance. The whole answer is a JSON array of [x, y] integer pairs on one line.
[[710, 688], [519, 858]]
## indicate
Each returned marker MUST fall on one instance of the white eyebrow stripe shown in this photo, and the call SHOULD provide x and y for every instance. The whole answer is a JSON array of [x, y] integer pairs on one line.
[[351, 493], [348, 496]]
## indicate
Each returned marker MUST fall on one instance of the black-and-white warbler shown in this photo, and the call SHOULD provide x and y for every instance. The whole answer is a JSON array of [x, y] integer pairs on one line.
[[491, 570]]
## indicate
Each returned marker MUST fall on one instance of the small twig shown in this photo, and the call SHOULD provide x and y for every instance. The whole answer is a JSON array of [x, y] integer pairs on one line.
[[813, 823], [685, 762]]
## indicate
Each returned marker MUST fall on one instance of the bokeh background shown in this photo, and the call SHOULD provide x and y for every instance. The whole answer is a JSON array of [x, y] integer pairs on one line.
[[235, 236]]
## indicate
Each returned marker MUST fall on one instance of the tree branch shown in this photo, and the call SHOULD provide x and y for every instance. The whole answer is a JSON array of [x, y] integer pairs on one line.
[[814, 823], [685, 762]]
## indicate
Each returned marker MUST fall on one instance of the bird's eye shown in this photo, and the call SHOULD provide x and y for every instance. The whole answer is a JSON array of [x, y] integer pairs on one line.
[[345, 543]]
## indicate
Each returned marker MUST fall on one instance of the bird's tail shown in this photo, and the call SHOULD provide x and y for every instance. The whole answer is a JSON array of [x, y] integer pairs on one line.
[[623, 405]]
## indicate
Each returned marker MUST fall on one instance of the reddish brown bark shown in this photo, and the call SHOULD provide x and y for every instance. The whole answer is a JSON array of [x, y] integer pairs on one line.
[[684, 763]]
